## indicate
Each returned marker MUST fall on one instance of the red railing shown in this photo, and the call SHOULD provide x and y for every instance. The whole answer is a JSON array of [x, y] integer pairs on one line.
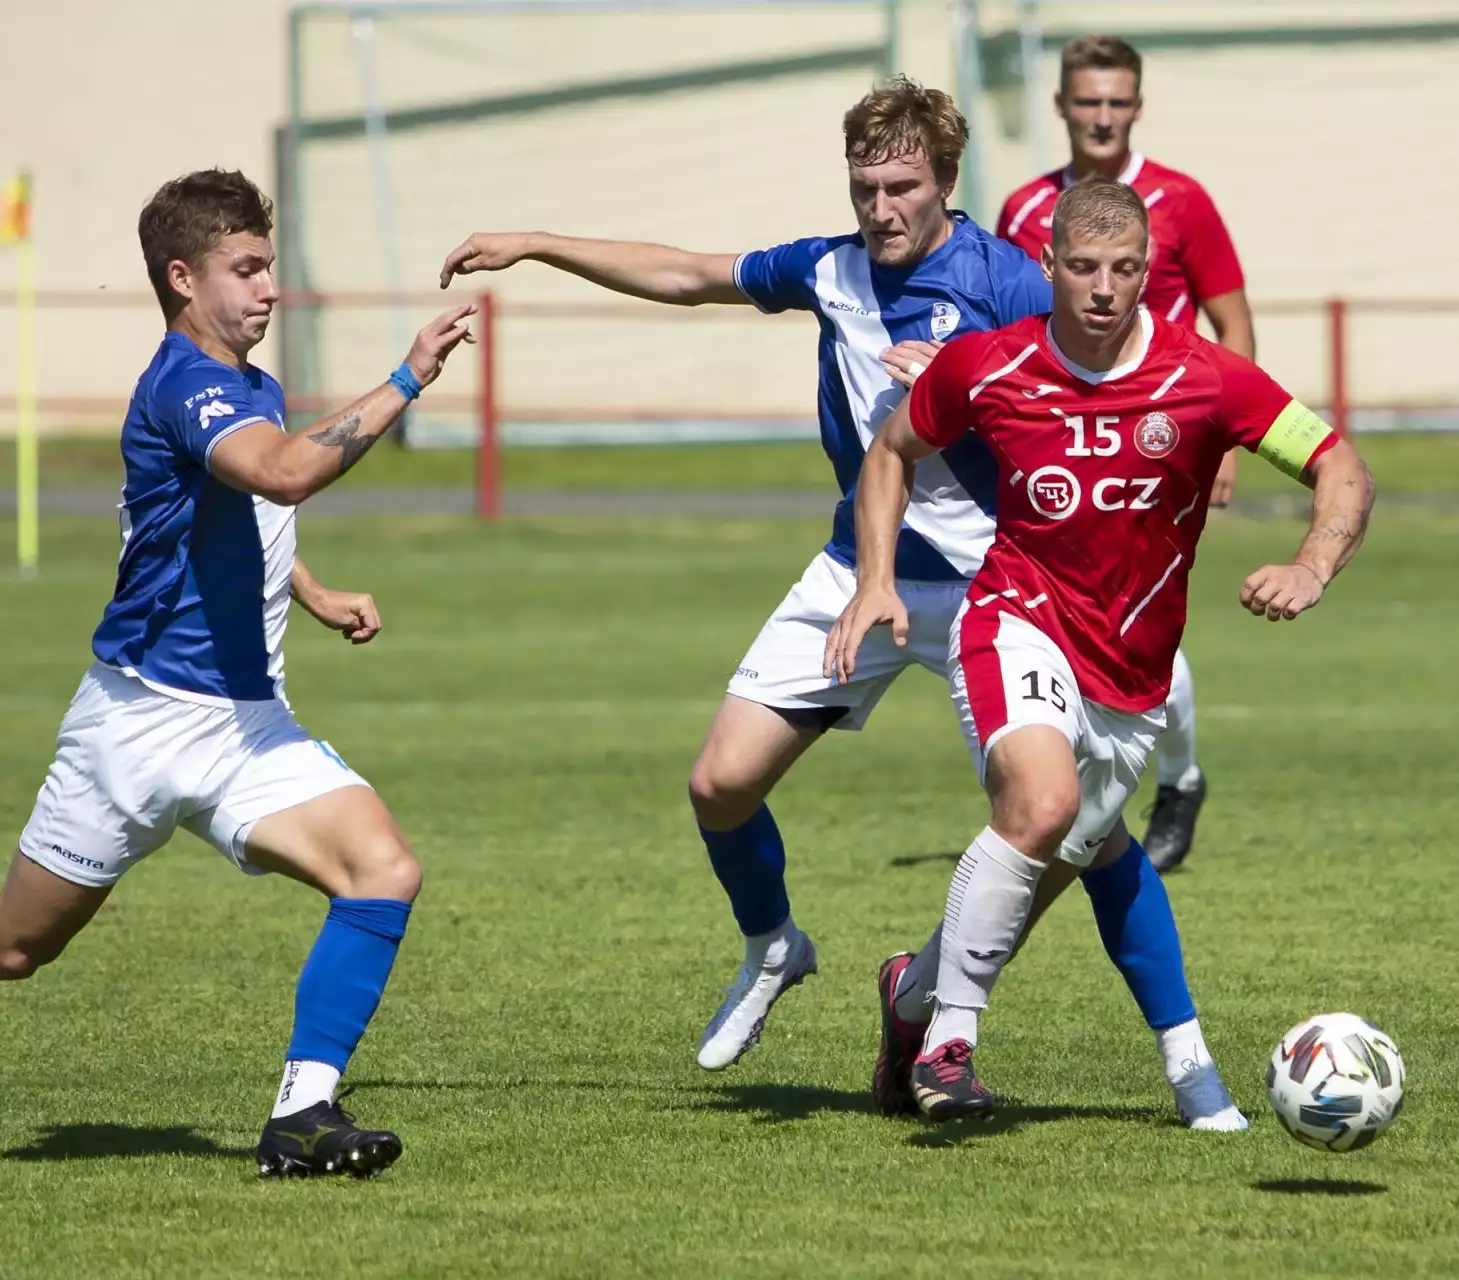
[[484, 403]]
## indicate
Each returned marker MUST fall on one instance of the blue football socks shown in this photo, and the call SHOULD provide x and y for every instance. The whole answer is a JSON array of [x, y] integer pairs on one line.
[[1138, 930]]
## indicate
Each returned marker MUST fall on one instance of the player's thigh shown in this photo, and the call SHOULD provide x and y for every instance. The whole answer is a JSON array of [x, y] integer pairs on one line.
[[291, 805], [1004, 676], [40, 912], [748, 749], [785, 666], [1114, 751], [344, 843]]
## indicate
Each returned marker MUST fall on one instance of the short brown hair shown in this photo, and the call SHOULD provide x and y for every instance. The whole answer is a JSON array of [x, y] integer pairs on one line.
[[1098, 205], [901, 117], [188, 216], [1099, 53]]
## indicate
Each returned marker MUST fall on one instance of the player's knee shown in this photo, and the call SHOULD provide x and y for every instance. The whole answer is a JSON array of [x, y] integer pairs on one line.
[[722, 795], [20, 962], [1038, 820], [383, 868]]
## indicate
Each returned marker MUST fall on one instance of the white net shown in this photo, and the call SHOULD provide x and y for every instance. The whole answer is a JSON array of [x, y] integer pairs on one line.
[[716, 128]]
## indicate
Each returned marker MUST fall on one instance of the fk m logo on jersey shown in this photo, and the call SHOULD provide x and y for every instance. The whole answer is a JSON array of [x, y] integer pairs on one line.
[[213, 409]]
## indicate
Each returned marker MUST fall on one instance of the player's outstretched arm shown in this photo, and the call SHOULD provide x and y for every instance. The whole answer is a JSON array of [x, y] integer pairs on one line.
[[352, 613], [656, 272], [882, 493], [1343, 493], [286, 469]]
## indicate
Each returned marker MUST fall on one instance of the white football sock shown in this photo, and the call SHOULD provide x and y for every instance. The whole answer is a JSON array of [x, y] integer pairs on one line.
[[770, 950], [1175, 749], [987, 907], [304, 1084], [1183, 1049], [913, 1002]]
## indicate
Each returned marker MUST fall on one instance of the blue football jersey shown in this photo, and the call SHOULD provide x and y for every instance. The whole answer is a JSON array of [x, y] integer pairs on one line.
[[971, 283], [202, 591]]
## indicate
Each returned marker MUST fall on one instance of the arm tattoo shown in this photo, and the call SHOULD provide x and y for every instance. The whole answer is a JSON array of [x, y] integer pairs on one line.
[[345, 436]]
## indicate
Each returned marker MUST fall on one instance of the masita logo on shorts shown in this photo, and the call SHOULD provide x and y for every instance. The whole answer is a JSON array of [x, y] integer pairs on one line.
[[1156, 435], [78, 859]]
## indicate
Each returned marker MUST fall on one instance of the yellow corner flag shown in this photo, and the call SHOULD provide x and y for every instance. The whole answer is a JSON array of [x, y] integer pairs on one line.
[[15, 210], [15, 230]]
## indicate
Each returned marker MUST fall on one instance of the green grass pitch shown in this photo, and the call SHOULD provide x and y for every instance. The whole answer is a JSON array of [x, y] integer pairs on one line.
[[530, 712]]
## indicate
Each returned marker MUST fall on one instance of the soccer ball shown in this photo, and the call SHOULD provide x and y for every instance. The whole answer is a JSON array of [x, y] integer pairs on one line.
[[1335, 1082]]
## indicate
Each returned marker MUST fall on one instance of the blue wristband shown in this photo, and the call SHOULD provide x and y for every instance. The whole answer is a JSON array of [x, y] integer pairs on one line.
[[405, 382]]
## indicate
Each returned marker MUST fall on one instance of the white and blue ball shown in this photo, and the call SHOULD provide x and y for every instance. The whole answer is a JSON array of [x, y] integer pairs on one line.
[[1335, 1082]]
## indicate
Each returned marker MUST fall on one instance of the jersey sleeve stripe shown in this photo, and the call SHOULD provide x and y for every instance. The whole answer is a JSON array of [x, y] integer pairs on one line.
[[225, 433], [740, 285]]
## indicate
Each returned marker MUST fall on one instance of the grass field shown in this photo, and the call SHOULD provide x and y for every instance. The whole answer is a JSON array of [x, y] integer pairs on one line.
[[530, 712]]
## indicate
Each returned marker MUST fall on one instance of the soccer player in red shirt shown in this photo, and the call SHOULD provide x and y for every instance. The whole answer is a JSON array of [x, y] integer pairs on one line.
[[1108, 424], [1193, 268]]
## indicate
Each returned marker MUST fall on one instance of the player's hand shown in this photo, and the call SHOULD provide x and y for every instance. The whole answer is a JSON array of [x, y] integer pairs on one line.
[[868, 608], [1225, 483], [484, 251], [437, 340], [907, 361], [1282, 591], [352, 613]]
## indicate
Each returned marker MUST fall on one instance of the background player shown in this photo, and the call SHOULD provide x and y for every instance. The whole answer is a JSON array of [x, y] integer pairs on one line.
[[1108, 425], [1193, 268], [181, 720], [913, 273]]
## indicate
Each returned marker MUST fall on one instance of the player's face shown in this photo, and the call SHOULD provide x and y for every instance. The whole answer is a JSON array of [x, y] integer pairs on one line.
[[231, 293], [1097, 281], [901, 208], [1100, 108]]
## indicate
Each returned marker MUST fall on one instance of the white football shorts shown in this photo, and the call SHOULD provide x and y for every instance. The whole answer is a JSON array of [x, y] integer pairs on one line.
[[132, 765], [783, 667], [1006, 674]]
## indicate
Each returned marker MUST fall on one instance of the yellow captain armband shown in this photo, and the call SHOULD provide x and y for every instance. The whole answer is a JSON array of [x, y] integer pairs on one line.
[[1293, 438]]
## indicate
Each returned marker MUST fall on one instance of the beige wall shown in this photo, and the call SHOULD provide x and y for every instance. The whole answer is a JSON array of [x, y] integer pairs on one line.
[[1329, 162]]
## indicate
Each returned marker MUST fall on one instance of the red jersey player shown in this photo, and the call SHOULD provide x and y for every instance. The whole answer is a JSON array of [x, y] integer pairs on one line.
[[1108, 425], [1193, 268]]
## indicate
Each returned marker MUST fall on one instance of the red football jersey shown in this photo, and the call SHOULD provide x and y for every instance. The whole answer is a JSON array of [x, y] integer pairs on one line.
[[1103, 481], [1192, 256]]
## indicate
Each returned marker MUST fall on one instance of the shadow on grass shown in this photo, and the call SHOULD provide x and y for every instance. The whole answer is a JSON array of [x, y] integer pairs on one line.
[[1012, 1116], [1319, 1187], [119, 1141], [777, 1103], [918, 859]]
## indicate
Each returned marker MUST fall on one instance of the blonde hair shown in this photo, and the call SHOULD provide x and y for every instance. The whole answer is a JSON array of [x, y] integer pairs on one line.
[[1098, 53], [900, 118], [1100, 206]]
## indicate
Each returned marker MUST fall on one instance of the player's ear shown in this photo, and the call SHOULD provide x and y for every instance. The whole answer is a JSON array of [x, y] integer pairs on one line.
[[1059, 108], [947, 183], [1139, 107], [180, 278], [1046, 261]]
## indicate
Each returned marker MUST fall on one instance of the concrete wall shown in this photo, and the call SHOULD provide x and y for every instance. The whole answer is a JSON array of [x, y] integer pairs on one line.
[[1326, 159]]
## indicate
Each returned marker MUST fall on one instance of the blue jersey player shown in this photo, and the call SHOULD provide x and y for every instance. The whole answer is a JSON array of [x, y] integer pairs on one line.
[[181, 720], [913, 275]]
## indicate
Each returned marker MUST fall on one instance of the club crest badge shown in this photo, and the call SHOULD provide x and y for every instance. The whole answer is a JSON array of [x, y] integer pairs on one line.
[[945, 319], [1156, 435]]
